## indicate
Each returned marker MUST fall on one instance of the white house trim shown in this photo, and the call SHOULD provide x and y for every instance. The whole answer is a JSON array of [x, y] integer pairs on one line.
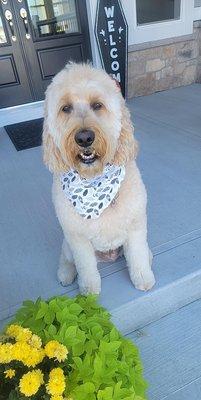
[[160, 30], [149, 32], [197, 13], [91, 11]]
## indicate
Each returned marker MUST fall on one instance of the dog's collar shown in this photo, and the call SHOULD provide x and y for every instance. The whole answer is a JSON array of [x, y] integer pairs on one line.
[[91, 197]]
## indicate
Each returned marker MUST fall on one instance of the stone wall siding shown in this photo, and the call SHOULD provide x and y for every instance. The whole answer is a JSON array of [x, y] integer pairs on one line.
[[166, 66]]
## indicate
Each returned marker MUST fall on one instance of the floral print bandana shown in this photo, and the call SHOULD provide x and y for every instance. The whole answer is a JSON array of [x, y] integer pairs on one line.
[[91, 197]]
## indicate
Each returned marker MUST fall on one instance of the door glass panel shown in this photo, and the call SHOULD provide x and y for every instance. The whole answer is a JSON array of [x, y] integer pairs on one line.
[[2, 33], [149, 11], [53, 17]]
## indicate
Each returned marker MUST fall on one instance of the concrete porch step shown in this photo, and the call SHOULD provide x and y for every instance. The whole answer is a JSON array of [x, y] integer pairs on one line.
[[170, 163], [178, 283]]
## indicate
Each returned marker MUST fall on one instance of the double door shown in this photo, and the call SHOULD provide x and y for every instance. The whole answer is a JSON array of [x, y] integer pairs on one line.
[[37, 38]]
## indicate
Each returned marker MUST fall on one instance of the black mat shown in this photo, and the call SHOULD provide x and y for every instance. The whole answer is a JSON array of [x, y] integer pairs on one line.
[[26, 135]]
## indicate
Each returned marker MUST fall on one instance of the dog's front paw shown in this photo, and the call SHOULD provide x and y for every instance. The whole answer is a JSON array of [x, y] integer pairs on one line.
[[90, 284], [143, 280], [66, 273]]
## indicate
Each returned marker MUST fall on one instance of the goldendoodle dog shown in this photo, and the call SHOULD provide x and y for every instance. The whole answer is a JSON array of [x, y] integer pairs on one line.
[[98, 193]]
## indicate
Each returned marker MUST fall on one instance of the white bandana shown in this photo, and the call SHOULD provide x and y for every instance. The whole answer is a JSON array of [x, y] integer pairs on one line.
[[91, 197]]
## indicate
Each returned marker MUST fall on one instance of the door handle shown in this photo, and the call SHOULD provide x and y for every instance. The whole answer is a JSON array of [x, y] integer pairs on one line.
[[9, 17], [23, 15]]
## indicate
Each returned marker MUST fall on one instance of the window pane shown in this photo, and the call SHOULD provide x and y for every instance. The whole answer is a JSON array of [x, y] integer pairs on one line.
[[53, 17], [197, 3], [2, 33], [149, 11]]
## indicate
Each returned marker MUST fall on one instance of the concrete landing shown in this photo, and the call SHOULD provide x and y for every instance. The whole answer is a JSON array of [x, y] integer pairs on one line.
[[168, 130]]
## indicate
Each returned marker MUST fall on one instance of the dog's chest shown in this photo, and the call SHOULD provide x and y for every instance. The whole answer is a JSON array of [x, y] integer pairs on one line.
[[110, 230]]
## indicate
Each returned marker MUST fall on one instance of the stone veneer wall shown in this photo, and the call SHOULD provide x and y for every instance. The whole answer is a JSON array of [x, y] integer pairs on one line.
[[165, 66]]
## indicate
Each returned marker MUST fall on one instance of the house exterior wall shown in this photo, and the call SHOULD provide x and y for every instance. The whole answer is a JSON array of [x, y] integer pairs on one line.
[[172, 61], [165, 66]]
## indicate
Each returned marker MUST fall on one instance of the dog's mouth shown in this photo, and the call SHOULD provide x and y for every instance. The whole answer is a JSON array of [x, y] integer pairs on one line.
[[87, 156]]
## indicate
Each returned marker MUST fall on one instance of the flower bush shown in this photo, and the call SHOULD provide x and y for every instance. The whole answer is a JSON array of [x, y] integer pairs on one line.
[[67, 348], [29, 369]]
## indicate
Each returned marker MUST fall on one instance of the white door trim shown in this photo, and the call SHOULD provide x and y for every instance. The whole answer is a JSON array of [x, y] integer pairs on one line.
[[22, 112], [161, 30]]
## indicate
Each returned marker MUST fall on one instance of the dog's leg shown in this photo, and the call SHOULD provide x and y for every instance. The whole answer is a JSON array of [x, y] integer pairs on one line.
[[85, 260], [139, 259], [66, 272]]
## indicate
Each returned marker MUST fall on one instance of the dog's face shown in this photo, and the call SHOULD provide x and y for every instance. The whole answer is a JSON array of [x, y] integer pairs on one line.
[[83, 128]]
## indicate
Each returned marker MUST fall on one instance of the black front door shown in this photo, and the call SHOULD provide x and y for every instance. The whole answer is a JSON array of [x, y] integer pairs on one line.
[[37, 38]]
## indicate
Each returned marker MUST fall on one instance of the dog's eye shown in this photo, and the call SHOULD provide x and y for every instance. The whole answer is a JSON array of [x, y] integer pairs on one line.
[[96, 106], [67, 109]]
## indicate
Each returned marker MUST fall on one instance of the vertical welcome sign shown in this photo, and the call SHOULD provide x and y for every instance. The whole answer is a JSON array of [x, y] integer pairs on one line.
[[111, 31]]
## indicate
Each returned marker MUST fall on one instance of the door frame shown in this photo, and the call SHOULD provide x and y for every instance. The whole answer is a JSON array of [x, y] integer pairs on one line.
[[72, 38]]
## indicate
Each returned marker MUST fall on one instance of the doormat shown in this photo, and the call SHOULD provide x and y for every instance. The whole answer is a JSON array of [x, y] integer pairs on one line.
[[26, 135]]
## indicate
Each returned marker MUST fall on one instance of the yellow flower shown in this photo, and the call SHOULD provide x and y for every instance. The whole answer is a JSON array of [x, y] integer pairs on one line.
[[23, 335], [9, 373], [20, 350], [35, 357], [60, 398], [54, 349], [56, 384], [28, 355], [13, 330], [19, 333], [31, 382], [6, 353], [35, 341]]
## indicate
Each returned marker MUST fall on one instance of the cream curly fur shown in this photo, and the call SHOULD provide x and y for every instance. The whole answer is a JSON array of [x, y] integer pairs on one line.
[[121, 224]]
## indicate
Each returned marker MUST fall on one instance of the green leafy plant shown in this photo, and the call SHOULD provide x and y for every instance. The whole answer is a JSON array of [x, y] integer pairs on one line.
[[102, 364]]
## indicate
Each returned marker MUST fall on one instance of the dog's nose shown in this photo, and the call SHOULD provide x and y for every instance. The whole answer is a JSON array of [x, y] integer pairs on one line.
[[85, 138]]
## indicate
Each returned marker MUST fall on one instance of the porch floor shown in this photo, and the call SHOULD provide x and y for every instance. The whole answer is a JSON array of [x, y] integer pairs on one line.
[[171, 352], [168, 128]]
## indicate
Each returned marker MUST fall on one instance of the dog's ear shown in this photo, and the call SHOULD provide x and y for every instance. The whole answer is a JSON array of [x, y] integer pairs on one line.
[[127, 147], [51, 154]]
